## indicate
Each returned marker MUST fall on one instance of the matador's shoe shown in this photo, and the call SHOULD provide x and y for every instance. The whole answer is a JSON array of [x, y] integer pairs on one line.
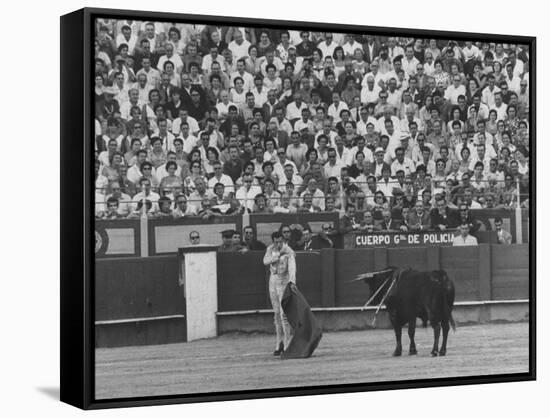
[[279, 350]]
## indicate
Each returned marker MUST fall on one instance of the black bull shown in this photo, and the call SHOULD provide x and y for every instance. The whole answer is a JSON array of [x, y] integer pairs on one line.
[[428, 295]]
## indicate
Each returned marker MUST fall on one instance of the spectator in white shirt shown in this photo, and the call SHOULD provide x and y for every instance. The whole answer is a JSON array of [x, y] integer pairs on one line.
[[248, 79], [499, 106], [336, 107], [146, 194], [318, 197], [327, 46], [394, 95], [464, 238], [402, 163], [333, 166], [294, 108], [172, 57], [211, 58], [239, 46], [409, 62], [488, 93], [127, 37], [247, 193], [219, 177], [454, 90]]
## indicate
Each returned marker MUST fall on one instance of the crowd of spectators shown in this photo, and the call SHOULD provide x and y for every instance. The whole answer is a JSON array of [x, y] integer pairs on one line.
[[195, 120]]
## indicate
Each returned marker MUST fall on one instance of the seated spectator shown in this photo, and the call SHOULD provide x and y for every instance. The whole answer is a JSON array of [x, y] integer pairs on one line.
[[205, 210], [101, 181], [503, 236], [157, 156], [146, 194], [139, 210], [307, 205], [200, 195], [165, 209], [336, 193], [465, 217], [220, 201], [182, 210], [112, 209], [250, 241], [314, 242], [349, 222], [419, 218], [172, 177], [464, 238], [124, 200], [260, 204], [380, 202], [316, 194], [388, 224], [272, 196], [285, 205], [441, 217], [248, 192], [220, 177]]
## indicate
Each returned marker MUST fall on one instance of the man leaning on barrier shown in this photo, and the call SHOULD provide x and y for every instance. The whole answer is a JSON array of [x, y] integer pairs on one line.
[[281, 260]]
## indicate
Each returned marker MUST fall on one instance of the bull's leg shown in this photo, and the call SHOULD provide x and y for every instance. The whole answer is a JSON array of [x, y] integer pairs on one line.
[[412, 328], [445, 328], [398, 348], [437, 329]]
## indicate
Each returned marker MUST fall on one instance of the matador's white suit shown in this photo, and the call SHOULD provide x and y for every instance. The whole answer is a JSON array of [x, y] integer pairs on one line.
[[282, 268]]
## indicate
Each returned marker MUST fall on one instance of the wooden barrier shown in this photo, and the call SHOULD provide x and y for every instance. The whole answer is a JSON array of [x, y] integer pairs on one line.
[[326, 278], [139, 300]]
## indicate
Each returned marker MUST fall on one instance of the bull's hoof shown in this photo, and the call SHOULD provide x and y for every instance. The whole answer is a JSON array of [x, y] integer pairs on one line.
[[434, 353], [442, 352], [396, 353], [413, 352]]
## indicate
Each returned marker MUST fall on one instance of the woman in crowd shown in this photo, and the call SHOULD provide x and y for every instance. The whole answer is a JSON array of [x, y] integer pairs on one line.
[[212, 155], [441, 77], [492, 124], [171, 180], [253, 62], [311, 157], [195, 74], [264, 45], [339, 61], [318, 65], [465, 160], [195, 172]]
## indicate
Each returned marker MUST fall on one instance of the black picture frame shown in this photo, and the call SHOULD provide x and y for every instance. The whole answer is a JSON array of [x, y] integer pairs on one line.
[[77, 220]]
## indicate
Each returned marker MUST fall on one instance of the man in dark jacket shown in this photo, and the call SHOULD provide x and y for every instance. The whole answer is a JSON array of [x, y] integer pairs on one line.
[[442, 217], [388, 224], [314, 242], [250, 240], [465, 217], [419, 218]]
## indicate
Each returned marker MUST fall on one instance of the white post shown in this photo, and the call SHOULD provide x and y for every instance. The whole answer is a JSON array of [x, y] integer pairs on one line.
[[143, 226], [519, 229], [246, 214]]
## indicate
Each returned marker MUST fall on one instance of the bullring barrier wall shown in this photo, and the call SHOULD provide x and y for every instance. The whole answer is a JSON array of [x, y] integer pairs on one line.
[[139, 300]]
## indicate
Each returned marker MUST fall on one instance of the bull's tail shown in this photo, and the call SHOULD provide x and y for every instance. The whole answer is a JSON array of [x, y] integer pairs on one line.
[[448, 300], [452, 321]]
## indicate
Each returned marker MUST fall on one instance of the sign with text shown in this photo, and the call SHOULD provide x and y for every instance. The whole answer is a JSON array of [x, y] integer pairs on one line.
[[400, 239]]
